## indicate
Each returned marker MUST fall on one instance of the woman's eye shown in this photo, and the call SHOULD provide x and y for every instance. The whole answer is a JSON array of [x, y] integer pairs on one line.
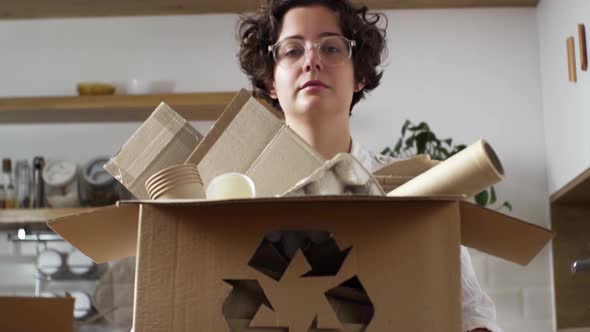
[[292, 52], [331, 49]]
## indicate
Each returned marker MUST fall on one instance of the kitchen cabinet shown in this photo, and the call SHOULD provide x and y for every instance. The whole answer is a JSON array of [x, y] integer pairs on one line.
[[570, 220], [17, 9]]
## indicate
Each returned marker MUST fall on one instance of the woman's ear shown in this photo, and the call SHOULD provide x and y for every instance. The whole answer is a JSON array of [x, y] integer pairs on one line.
[[270, 87], [359, 86]]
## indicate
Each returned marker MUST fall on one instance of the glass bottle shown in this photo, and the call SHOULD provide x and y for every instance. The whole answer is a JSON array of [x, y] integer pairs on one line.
[[23, 184], [2, 196], [8, 180], [38, 192]]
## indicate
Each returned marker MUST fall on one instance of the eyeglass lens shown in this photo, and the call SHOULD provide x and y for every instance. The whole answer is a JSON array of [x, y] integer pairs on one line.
[[333, 50]]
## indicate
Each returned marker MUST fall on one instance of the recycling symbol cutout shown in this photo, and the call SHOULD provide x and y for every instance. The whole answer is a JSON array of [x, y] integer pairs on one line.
[[305, 283]]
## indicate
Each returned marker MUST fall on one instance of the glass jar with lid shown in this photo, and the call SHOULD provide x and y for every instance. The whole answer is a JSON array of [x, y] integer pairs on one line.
[[61, 184]]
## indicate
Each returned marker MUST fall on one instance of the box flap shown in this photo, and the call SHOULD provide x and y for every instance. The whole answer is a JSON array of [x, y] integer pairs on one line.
[[110, 233], [103, 234], [238, 137], [500, 235], [27, 314]]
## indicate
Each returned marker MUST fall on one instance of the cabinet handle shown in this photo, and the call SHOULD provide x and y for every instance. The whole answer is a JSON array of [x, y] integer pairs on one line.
[[583, 50]]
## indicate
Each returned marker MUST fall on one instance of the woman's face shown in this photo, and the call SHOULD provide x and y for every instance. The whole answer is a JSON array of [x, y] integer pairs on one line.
[[310, 89]]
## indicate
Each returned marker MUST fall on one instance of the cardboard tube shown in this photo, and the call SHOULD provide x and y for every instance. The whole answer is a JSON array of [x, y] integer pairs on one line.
[[466, 173], [583, 49], [571, 60]]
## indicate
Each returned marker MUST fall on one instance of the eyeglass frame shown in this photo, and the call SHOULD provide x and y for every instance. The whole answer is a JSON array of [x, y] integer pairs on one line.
[[351, 44]]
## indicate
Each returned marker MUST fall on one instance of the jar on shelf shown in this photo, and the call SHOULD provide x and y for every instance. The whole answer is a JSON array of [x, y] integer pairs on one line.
[[61, 184], [97, 186]]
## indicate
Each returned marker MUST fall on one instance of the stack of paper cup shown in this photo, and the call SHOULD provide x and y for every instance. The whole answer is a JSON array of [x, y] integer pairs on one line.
[[179, 181]]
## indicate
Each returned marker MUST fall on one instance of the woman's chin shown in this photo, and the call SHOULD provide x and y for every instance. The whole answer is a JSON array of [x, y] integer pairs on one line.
[[311, 105]]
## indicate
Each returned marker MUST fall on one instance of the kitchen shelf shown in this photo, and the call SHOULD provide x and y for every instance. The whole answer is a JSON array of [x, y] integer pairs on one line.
[[18, 9], [192, 106], [33, 219]]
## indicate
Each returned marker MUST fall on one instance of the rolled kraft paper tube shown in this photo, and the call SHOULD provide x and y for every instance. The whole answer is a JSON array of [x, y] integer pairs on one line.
[[571, 60], [466, 173], [583, 49]]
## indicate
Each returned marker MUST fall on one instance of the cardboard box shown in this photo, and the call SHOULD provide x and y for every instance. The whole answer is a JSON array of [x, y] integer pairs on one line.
[[29, 314], [404, 251], [163, 140], [209, 266], [252, 139]]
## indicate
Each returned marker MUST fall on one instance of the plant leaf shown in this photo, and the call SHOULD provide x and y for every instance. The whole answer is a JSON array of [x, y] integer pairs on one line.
[[405, 127], [421, 140], [409, 142], [493, 195], [398, 145], [482, 198], [507, 205], [420, 127]]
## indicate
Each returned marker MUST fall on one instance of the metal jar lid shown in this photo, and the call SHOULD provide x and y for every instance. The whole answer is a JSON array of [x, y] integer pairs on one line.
[[95, 175]]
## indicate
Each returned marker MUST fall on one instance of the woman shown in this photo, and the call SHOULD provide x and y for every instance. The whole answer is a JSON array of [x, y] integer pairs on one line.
[[314, 60]]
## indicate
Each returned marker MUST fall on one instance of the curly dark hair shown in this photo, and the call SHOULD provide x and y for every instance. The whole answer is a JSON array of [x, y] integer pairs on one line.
[[257, 32]]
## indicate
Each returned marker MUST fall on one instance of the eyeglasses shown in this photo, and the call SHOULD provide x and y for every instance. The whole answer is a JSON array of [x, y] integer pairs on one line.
[[332, 50]]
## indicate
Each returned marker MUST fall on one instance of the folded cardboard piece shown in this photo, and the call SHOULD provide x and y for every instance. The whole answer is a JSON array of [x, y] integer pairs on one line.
[[250, 138], [163, 140], [209, 266], [26, 314]]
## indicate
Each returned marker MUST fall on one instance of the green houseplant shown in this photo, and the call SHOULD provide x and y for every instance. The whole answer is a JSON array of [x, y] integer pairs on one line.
[[419, 139]]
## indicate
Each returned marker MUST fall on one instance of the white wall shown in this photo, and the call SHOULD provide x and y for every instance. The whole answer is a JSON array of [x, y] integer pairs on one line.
[[565, 105], [469, 73]]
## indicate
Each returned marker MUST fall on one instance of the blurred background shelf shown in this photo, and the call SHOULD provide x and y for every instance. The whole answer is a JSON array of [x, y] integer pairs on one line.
[[33, 219], [18, 9], [192, 106]]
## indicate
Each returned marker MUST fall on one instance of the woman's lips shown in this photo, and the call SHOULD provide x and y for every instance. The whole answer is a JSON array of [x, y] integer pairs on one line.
[[313, 85]]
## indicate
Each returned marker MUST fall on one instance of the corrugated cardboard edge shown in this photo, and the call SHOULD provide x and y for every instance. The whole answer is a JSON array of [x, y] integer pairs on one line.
[[501, 235], [28, 314], [111, 233], [103, 234]]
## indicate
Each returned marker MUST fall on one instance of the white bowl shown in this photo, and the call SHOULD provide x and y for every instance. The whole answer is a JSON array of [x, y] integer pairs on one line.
[[138, 86]]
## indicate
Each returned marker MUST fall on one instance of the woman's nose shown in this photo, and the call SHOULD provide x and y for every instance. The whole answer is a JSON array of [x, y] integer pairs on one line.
[[312, 60]]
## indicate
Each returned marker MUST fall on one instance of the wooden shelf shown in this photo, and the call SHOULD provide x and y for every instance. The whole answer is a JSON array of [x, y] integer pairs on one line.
[[18, 9], [11, 219], [192, 106]]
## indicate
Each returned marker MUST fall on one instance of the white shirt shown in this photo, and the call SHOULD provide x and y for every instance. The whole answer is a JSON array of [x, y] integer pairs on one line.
[[479, 310]]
